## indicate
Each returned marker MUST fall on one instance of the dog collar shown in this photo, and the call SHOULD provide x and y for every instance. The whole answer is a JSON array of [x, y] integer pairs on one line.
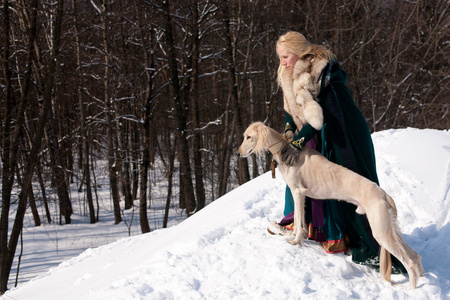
[[275, 148]]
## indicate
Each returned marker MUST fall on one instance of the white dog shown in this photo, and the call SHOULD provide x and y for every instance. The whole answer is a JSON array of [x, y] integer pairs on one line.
[[316, 177]]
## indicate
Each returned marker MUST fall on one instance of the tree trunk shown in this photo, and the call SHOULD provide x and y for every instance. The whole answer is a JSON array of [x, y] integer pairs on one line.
[[8, 255], [112, 167], [11, 138], [58, 174], [170, 169], [34, 211], [44, 196], [180, 118], [197, 140], [227, 148], [146, 155], [243, 172], [145, 227], [121, 159], [135, 158], [147, 112], [9, 156], [84, 131]]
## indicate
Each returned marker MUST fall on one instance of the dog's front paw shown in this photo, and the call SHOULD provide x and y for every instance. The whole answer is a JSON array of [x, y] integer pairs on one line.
[[276, 229], [288, 233], [296, 241]]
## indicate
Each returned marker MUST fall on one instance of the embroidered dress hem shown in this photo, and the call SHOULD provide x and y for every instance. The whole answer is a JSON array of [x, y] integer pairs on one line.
[[330, 246]]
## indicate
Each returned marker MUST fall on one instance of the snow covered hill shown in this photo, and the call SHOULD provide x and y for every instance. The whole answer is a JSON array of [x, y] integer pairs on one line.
[[224, 251]]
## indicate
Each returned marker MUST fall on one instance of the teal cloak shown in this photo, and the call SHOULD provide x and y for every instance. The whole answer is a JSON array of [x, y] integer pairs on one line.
[[345, 139]]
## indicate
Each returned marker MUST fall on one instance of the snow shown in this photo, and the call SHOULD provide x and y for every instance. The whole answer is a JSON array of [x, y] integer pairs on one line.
[[225, 252]]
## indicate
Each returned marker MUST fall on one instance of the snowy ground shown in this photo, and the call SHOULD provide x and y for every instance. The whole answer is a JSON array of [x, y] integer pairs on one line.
[[224, 251]]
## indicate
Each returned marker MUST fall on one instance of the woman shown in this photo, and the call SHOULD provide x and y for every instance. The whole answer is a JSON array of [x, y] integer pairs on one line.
[[321, 113]]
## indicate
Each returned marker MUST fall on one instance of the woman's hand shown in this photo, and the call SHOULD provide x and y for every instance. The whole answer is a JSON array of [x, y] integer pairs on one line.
[[289, 136], [290, 155]]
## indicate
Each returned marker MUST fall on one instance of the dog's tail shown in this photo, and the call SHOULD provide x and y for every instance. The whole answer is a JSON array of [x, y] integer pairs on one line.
[[394, 208], [385, 256], [385, 264]]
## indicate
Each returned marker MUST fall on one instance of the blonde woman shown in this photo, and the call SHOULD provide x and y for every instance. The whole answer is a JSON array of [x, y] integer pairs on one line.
[[320, 112]]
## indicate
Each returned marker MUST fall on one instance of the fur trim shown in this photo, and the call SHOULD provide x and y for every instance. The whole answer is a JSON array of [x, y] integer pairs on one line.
[[300, 89]]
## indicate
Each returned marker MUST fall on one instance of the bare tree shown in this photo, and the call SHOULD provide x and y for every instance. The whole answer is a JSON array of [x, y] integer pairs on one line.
[[180, 115], [30, 20], [147, 43], [84, 130], [243, 173], [197, 134], [112, 164], [11, 137]]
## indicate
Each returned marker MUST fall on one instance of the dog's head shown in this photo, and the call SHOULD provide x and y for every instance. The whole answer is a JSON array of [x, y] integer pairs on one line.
[[254, 140]]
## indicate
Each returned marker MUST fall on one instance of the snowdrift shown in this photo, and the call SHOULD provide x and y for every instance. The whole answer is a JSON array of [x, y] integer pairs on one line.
[[225, 252]]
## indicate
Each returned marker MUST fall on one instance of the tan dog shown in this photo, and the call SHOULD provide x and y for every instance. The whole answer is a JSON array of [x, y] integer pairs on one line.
[[316, 177]]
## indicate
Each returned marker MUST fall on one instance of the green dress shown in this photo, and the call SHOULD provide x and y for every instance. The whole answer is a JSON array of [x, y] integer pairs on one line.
[[345, 139]]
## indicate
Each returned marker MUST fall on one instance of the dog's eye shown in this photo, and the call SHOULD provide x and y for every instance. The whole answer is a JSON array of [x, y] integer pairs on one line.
[[248, 137]]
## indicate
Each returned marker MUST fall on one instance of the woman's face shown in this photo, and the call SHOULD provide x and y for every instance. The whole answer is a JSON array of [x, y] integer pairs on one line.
[[288, 59]]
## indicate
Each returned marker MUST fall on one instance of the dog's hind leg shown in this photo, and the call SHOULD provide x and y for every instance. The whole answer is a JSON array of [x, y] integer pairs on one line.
[[416, 258], [398, 249], [381, 217]]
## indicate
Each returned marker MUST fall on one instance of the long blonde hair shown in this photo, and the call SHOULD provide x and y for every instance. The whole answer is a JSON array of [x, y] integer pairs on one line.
[[296, 43]]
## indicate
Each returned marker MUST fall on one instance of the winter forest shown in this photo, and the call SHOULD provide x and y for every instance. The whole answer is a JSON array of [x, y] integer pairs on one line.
[[138, 83]]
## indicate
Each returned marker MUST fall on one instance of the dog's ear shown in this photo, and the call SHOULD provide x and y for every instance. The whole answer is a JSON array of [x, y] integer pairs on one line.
[[262, 133]]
